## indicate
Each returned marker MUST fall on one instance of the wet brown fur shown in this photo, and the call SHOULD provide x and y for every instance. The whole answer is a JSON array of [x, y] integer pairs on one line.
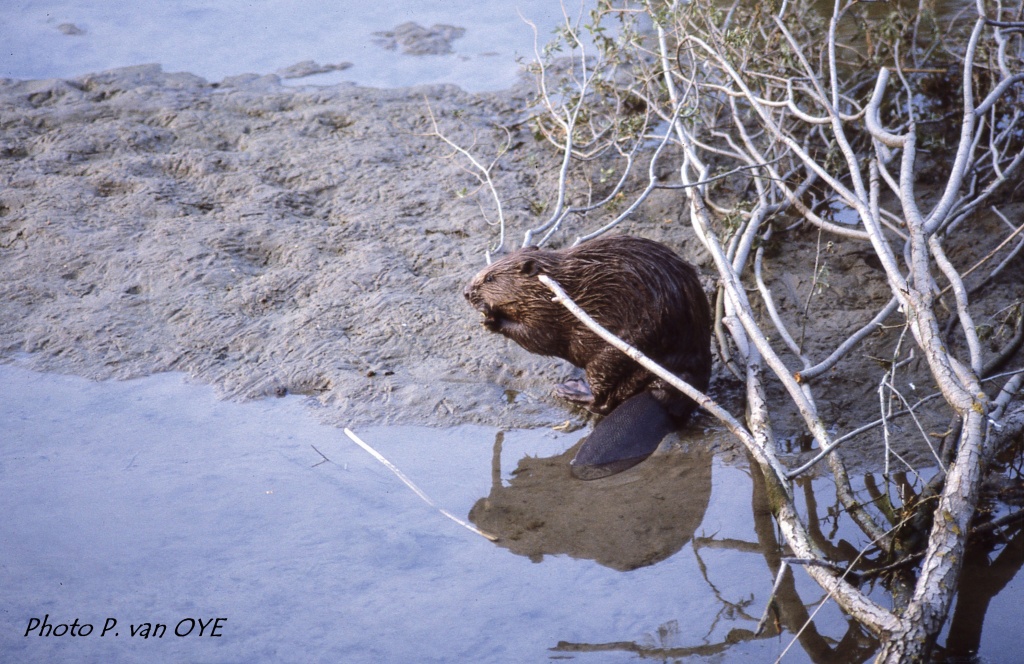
[[639, 289]]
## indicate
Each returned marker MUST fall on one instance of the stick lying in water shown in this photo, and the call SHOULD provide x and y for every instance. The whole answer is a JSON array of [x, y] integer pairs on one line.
[[377, 455]]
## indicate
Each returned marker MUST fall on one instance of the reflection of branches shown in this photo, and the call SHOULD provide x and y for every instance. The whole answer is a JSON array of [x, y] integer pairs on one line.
[[983, 578], [645, 651], [729, 609], [792, 612]]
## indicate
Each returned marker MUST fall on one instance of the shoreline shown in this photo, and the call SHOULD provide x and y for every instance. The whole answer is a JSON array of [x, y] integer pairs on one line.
[[262, 238], [268, 239]]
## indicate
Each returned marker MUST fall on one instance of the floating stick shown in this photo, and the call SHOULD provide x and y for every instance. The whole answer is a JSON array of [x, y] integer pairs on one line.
[[376, 455]]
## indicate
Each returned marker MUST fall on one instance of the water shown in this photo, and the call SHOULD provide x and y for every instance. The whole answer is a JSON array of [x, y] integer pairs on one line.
[[150, 501], [67, 38]]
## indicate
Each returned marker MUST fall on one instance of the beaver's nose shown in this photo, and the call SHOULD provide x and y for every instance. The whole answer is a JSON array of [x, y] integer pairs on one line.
[[468, 291]]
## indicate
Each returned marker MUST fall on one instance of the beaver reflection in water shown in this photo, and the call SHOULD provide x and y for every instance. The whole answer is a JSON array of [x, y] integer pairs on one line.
[[639, 290]]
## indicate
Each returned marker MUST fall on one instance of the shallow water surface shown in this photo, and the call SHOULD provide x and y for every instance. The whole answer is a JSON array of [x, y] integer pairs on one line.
[[69, 38], [150, 501]]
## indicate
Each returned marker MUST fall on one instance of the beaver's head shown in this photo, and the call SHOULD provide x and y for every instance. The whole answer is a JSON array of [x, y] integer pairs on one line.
[[504, 290]]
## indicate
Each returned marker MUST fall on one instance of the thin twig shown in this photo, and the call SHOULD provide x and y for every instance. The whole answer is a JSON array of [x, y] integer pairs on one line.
[[394, 469], [482, 173]]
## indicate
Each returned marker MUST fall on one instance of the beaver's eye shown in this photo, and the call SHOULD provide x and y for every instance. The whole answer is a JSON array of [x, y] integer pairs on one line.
[[488, 278]]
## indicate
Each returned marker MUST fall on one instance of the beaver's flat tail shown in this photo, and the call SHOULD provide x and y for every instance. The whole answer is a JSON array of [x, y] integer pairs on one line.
[[627, 436]]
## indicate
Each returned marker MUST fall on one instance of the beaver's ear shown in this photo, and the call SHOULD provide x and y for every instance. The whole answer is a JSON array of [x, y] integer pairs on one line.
[[529, 268]]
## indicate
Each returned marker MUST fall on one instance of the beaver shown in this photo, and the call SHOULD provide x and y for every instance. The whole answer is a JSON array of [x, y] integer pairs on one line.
[[638, 289]]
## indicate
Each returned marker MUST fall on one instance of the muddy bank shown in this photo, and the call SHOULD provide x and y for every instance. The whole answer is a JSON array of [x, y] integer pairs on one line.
[[270, 240], [267, 240], [260, 238]]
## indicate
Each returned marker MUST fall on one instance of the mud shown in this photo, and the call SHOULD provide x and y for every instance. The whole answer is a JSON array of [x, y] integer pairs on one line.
[[260, 238], [315, 240], [414, 39], [311, 68]]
